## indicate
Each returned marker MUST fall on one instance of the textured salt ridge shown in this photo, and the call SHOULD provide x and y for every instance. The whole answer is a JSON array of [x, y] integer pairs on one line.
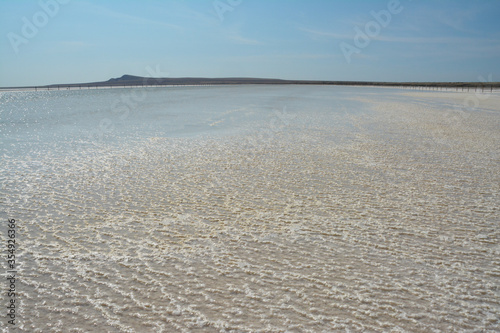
[[306, 231]]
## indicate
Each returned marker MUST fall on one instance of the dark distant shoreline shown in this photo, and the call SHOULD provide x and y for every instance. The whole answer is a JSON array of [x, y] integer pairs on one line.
[[138, 81]]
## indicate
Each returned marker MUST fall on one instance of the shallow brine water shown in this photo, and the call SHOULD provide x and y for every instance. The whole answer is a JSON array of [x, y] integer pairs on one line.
[[252, 209]]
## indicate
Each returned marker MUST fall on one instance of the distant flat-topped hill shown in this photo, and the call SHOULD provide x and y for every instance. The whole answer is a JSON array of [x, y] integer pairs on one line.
[[138, 80]]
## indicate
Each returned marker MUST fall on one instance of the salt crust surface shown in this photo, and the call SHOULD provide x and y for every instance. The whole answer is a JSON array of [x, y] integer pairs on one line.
[[384, 219]]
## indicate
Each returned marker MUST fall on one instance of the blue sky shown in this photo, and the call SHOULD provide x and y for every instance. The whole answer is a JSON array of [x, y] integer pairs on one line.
[[83, 41]]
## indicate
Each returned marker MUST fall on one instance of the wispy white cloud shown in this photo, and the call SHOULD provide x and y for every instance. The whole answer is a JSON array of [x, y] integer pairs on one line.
[[75, 44], [68, 46], [406, 39], [458, 19], [458, 51], [434, 40], [281, 56], [319, 33], [198, 17], [236, 37], [233, 34], [101, 10]]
